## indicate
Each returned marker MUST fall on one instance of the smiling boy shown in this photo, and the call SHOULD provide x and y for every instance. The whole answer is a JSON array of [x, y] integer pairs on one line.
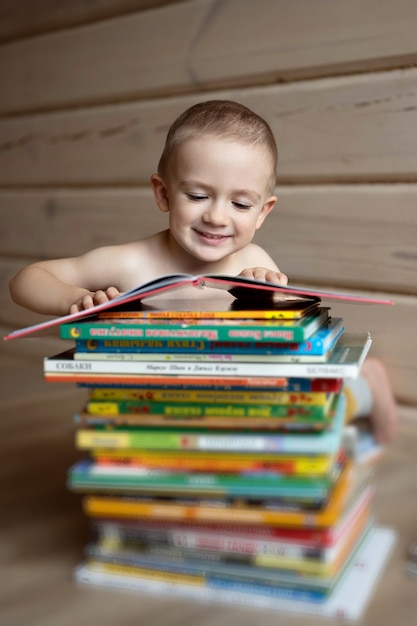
[[215, 181]]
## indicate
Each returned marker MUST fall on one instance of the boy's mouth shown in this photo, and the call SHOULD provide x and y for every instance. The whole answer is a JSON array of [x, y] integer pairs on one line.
[[211, 237]]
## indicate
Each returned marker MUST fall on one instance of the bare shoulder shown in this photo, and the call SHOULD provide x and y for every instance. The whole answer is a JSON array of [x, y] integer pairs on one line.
[[142, 260], [255, 256]]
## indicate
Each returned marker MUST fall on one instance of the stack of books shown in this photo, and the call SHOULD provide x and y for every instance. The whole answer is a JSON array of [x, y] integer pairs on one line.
[[215, 464]]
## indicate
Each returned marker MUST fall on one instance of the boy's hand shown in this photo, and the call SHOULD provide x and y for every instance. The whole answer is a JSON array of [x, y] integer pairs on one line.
[[264, 274], [92, 298]]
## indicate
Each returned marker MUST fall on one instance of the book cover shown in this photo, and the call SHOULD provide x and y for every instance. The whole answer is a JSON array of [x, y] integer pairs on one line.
[[345, 361], [243, 288], [347, 601]]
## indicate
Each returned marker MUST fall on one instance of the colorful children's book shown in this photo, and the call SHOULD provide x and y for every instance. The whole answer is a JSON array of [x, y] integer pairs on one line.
[[175, 460], [190, 308], [263, 569], [315, 349], [116, 394], [345, 360], [239, 510], [244, 289], [214, 410], [347, 601], [301, 543], [326, 442], [90, 477], [290, 331]]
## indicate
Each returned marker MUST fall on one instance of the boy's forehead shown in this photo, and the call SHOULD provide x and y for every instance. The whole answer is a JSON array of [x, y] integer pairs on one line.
[[209, 146]]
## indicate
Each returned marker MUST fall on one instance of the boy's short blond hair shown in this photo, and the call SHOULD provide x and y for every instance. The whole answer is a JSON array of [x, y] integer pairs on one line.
[[223, 118]]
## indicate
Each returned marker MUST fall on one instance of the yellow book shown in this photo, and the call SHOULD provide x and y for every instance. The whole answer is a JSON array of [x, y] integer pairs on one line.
[[314, 398], [220, 462]]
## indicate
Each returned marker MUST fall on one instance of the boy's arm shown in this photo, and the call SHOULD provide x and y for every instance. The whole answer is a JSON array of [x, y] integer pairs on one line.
[[62, 286]]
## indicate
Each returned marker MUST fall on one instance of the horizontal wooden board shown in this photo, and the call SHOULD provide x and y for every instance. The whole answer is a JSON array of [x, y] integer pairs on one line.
[[335, 129], [361, 236], [26, 18], [198, 44]]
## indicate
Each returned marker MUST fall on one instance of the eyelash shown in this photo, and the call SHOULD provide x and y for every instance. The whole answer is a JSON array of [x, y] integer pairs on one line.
[[240, 205], [197, 198]]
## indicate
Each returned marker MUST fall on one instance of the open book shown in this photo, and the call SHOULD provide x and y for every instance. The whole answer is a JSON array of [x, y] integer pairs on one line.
[[251, 292]]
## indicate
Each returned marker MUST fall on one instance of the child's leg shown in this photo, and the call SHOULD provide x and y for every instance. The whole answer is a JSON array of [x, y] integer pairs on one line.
[[371, 396]]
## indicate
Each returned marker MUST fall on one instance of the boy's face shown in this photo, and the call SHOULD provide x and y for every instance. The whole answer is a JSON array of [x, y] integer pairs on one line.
[[217, 193]]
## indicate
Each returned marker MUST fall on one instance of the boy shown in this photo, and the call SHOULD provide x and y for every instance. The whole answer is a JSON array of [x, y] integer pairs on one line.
[[215, 181]]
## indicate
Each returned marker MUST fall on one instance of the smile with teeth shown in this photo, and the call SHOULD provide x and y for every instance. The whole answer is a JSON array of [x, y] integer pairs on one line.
[[212, 236]]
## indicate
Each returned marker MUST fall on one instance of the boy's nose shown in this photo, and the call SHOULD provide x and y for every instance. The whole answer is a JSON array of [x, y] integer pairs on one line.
[[216, 214]]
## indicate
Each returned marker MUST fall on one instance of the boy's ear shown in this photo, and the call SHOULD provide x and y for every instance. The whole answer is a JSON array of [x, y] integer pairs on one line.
[[160, 192], [266, 210]]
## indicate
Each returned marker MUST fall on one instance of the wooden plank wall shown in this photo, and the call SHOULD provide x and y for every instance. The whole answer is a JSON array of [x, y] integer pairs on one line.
[[89, 91]]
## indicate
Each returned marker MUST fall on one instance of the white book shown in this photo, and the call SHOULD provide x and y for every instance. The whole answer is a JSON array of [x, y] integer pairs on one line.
[[347, 601], [345, 361]]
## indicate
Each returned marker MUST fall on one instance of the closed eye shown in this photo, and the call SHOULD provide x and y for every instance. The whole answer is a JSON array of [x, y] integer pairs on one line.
[[241, 205], [195, 197]]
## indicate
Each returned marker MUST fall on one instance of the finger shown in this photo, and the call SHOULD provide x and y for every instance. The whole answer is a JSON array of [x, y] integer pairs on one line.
[[100, 297], [112, 292], [86, 302]]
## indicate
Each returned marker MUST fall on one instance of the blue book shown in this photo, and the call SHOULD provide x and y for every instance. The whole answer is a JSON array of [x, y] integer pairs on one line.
[[318, 344]]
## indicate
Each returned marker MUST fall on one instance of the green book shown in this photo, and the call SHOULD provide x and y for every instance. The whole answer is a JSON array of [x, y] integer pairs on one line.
[[87, 476], [326, 442], [292, 331]]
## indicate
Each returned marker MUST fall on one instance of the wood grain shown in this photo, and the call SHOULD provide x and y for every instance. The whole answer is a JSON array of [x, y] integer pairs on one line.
[[232, 42], [352, 128], [23, 18]]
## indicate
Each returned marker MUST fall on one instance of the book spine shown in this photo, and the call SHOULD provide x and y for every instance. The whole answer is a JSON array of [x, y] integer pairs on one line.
[[266, 331], [199, 358], [238, 314], [67, 366], [222, 544], [284, 424], [170, 383], [227, 463], [300, 537], [84, 476], [179, 410], [99, 506], [326, 442], [200, 395], [192, 587], [317, 345]]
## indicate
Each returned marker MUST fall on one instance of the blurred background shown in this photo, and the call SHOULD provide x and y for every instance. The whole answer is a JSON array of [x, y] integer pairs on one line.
[[89, 90]]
